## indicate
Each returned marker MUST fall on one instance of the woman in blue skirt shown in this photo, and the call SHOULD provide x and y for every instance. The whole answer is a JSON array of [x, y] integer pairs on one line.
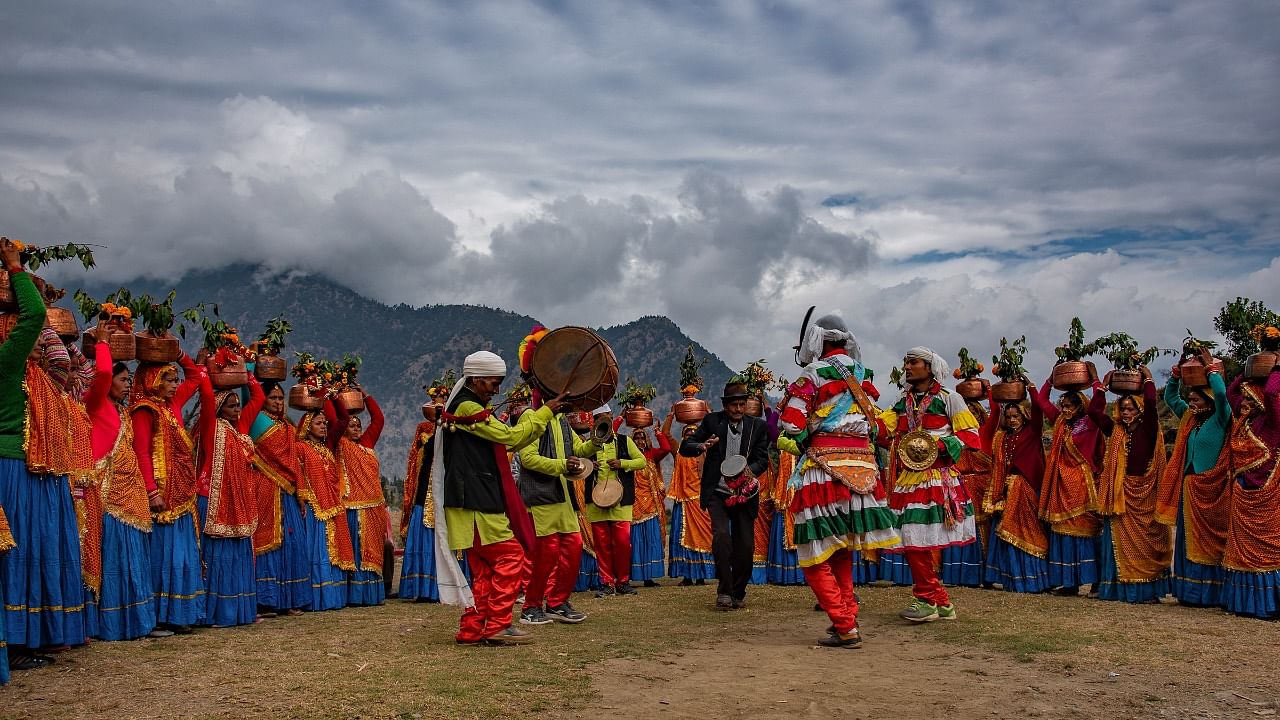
[[328, 540], [417, 528], [1018, 545]]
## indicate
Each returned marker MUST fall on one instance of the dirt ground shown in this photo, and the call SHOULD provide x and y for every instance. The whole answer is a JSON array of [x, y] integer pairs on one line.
[[668, 653]]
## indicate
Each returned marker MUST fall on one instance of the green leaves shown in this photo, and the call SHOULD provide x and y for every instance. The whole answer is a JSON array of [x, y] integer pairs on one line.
[[34, 257], [272, 339], [1122, 350], [690, 369], [634, 394], [1008, 364]]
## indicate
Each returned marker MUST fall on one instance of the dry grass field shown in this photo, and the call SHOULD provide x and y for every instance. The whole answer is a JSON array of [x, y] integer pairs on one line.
[[668, 653]]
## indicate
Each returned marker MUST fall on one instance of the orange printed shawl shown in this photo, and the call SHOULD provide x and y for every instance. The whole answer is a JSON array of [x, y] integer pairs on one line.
[[416, 457], [1011, 494], [57, 428], [318, 487], [1143, 546], [649, 494], [232, 487], [1068, 496], [1253, 535], [686, 487], [115, 487], [362, 491], [1206, 499], [173, 464], [276, 472]]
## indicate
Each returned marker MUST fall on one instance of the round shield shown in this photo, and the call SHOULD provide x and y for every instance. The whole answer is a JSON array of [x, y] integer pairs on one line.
[[918, 450]]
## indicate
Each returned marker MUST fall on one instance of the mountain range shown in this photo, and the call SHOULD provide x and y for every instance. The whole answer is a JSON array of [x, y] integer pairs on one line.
[[403, 347]]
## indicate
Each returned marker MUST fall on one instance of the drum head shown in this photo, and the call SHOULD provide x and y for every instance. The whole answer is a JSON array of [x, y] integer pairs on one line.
[[733, 466], [577, 362], [607, 494]]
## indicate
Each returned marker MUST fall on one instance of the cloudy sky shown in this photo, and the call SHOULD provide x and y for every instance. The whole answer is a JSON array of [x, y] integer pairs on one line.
[[941, 173]]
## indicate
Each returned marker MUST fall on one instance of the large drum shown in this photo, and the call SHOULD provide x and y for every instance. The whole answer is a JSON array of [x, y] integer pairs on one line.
[[577, 362]]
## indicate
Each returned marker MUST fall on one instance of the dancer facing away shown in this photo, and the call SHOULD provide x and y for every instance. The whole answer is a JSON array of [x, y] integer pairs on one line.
[[929, 426], [839, 504], [729, 490]]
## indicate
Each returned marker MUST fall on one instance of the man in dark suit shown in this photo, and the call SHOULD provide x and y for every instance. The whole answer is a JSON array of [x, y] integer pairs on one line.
[[733, 502]]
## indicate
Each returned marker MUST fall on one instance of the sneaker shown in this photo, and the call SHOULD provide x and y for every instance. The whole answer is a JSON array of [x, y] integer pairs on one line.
[[534, 616], [625, 589], [606, 592], [836, 640], [510, 636], [565, 614], [724, 602], [947, 612], [920, 611], [160, 633]]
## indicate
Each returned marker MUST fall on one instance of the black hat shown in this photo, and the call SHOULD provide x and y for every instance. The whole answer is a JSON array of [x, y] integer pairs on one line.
[[735, 389]]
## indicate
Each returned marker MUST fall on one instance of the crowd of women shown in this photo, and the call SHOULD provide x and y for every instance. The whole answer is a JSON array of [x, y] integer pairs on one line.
[[117, 521]]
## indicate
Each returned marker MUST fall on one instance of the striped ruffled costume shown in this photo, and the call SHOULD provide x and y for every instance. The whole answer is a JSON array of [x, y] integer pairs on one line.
[[824, 425]]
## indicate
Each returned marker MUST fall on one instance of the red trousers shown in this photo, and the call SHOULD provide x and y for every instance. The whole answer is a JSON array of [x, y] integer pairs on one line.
[[924, 576], [613, 550], [832, 583], [495, 581], [555, 569]]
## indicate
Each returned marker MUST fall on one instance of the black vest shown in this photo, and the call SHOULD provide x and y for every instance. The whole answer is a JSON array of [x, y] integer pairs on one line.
[[627, 477], [472, 478], [424, 472], [539, 489]]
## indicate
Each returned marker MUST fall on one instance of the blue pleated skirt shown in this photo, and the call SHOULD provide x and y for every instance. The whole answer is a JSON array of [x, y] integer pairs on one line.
[[364, 587], [687, 563], [648, 551], [783, 567], [177, 575], [284, 574], [588, 573], [1195, 584], [231, 596], [1073, 561], [963, 565], [42, 586], [1253, 594], [1016, 570], [125, 608], [328, 581], [418, 566], [894, 568], [1110, 587]]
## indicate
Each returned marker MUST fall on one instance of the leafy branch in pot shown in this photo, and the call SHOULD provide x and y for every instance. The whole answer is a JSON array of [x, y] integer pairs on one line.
[[1122, 350]]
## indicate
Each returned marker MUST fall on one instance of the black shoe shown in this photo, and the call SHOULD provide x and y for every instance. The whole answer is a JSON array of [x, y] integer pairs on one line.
[[687, 582], [606, 592], [534, 616], [724, 602], [650, 583], [625, 589], [740, 604], [700, 582], [565, 614], [836, 640], [182, 629], [817, 607]]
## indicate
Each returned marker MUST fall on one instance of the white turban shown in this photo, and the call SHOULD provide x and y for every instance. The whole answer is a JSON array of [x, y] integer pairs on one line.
[[483, 364], [936, 363], [828, 328], [601, 410]]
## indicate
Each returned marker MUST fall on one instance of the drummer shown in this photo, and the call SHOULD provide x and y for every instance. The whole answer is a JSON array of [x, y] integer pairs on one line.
[[616, 460], [546, 466]]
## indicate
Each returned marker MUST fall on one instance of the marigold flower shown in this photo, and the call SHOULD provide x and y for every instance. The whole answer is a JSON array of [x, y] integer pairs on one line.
[[21, 246]]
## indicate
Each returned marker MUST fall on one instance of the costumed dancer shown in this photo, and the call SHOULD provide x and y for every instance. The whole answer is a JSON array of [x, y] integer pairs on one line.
[[227, 504], [281, 563], [1137, 550], [839, 505], [478, 507], [1069, 495], [690, 546], [648, 549], [125, 596], [167, 461], [325, 518], [1252, 557], [735, 450], [617, 459], [367, 517], [965, 565], [1195, 490], [418, 566], [1018, 546], [557, 554], [930, 426], [40, 576]]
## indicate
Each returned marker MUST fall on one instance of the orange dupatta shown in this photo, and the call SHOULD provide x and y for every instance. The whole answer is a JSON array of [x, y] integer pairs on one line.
[[1068, 495], [1013, 496], [1206, 499], [57, 429], [277, 469], [416, 457], [1253, 535], [232, 487], [172, 461], [362, 491], [319, 488], [1143, 546], [686, 488], [649, 494]]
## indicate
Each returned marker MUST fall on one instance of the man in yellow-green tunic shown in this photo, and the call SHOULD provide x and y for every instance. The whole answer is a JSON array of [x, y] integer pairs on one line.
[[617, 460]]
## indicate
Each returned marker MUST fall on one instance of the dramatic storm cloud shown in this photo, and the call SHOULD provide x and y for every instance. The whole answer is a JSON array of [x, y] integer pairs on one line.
[[944, 173]]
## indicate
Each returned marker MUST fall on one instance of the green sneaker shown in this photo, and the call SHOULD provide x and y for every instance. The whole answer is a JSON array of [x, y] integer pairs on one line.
[[920, 611], [947, 612]]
